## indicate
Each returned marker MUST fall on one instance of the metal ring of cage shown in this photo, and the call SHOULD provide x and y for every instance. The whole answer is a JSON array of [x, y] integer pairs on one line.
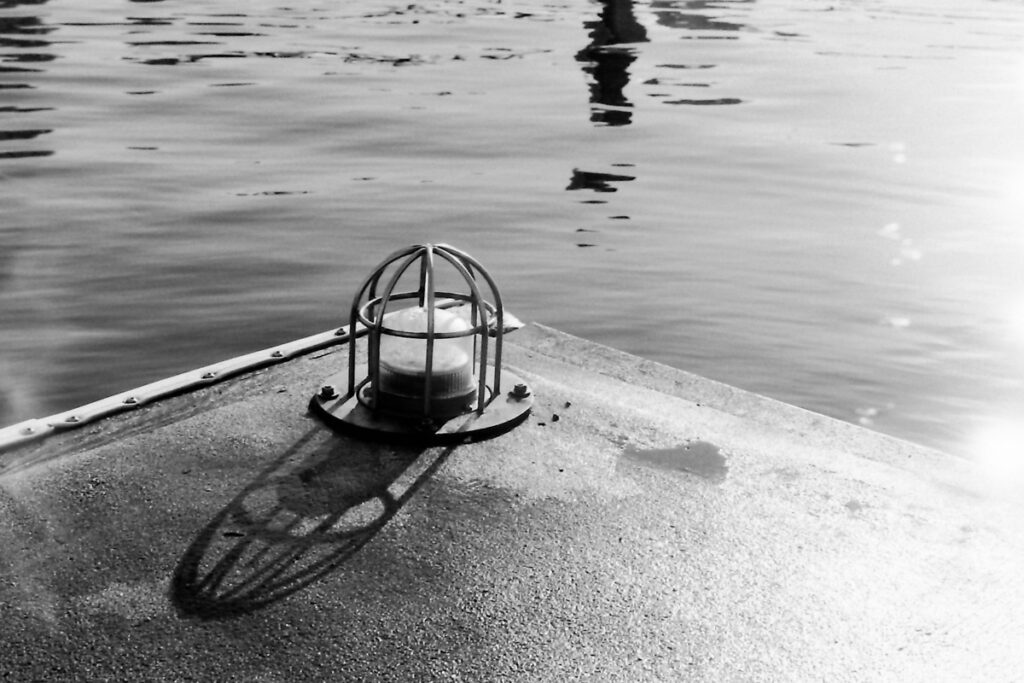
[[451, 301]]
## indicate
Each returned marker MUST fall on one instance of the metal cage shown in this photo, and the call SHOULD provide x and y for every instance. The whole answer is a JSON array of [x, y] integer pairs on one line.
[[433, 359], [379, 296]]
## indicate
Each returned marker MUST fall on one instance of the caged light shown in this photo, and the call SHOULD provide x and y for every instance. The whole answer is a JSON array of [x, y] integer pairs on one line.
[[433, 360]]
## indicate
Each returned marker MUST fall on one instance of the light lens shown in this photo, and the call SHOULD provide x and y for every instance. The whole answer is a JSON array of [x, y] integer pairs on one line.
[[403, 360]]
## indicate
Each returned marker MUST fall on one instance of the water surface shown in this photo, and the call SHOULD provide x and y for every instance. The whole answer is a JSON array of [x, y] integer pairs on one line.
[[817, 201]]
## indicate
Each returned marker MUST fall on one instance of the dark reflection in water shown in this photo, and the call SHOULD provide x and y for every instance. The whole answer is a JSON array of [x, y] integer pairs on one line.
[[607, 60], [147, 21], [697, 18], [166, 43], [27, 57], [129, 21], [22, 134], [686, 66], [708, 101], [8, 4], [27, 25], [669, 14], [598, 182], [21, 52], [25, 154]]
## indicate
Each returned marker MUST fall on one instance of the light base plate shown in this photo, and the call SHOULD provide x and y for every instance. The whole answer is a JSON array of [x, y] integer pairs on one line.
[[346, 414]]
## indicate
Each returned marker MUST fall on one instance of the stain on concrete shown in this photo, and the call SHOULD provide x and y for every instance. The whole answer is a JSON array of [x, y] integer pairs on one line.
[[854, 506], [699, 458]]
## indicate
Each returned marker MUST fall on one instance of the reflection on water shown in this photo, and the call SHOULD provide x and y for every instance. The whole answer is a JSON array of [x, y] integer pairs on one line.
[[180, 186], [699, 20], [20, 55], [706, 101], [684, 14], [598, 182], [607, 58]]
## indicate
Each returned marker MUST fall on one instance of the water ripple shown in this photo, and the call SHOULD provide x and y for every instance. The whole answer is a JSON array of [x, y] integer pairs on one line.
[[183, 184]]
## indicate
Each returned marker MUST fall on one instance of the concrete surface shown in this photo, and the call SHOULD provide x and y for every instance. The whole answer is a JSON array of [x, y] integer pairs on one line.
[[643, 524]]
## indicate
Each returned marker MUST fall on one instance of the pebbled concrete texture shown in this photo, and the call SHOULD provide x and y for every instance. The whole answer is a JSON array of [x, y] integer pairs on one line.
[[643, 524]]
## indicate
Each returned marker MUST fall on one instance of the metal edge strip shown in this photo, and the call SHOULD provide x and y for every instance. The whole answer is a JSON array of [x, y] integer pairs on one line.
[[34, 429], [27, 431]]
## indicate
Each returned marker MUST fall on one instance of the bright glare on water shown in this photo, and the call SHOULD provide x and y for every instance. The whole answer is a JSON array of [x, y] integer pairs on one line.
[[817, 200]]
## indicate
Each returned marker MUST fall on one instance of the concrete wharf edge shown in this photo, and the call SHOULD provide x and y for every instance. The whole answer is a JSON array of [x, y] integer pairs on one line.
[[643, 524]]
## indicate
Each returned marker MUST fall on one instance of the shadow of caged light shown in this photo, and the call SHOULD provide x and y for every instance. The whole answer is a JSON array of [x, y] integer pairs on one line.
[[434, 327]]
